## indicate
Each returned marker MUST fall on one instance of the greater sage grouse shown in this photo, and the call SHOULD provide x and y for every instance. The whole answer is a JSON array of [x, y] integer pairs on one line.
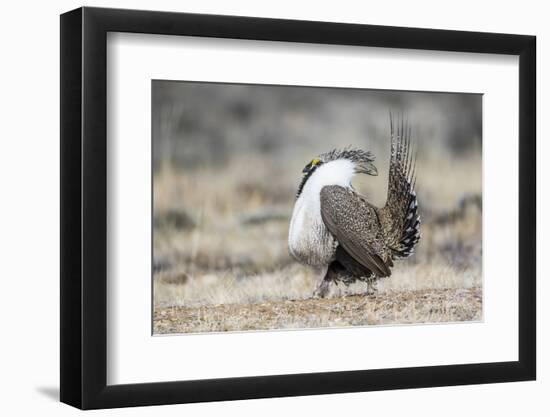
[[336, 228]]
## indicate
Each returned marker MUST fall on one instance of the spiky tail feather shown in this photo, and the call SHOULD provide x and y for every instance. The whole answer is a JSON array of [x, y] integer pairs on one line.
[[400, 214]]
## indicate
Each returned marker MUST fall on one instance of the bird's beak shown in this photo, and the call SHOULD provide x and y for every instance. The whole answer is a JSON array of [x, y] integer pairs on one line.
[[306, 169], [373, 171], [367, 168]]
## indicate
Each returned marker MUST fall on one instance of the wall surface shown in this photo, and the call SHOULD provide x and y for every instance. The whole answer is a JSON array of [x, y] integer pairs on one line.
[[29, 214]]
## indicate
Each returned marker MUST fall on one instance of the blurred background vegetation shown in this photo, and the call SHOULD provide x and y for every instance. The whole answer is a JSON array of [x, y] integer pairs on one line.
[[197, 124]]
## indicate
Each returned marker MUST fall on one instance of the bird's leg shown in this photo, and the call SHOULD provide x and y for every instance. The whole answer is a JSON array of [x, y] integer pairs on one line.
[[322, 289], [372, 287], [324, 286]]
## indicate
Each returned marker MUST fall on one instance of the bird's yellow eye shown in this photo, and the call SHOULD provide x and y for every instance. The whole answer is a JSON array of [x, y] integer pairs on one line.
[[309, 167]]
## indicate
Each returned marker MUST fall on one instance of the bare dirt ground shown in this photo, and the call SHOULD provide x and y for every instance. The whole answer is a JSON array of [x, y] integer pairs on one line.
[[405, 307]]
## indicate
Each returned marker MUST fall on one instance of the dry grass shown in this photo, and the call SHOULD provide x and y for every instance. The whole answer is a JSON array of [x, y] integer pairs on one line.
[[296, 282], [222, 264]]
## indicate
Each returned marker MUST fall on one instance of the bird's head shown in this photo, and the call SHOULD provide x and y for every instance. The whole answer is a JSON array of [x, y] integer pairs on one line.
[[338, 167], [362, 160]]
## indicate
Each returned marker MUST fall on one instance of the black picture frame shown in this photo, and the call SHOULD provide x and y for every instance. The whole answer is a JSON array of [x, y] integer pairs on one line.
[[84, 207]]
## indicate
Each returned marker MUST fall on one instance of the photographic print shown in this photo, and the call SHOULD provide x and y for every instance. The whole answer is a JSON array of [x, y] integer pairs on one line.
[[291, 207]]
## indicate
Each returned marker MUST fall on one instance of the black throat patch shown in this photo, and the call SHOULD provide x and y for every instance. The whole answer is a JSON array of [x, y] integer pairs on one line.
[[306, 177]]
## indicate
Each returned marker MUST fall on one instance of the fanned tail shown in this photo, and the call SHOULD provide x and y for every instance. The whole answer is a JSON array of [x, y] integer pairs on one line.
[[402, 219]]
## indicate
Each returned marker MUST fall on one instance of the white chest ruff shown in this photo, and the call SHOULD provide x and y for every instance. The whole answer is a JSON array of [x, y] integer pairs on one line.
[[309, 241]]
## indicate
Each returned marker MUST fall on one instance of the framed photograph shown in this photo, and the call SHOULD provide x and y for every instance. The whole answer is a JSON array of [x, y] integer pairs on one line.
[[257, 208]]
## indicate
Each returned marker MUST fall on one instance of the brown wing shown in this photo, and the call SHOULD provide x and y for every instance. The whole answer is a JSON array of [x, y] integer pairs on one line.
[[355, 225]]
